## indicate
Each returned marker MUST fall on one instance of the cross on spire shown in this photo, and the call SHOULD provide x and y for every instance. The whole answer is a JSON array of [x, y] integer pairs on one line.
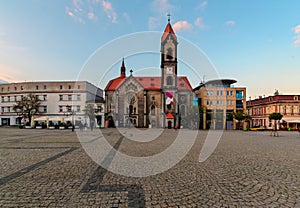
[[168, 17]]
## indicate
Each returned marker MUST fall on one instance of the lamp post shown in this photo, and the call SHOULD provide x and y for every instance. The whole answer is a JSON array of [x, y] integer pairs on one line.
[[73, 125]]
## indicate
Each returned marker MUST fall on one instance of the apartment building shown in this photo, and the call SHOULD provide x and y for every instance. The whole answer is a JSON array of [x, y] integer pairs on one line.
[[219, 99], [58, 98]]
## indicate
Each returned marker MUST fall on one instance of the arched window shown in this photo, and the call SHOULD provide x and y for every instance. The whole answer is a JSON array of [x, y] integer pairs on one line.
[[169, 80], [182, 110], [169, 53], [152, 110]]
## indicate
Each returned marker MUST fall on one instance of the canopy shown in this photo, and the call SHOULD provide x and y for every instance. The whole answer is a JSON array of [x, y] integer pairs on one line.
[[55, 118], [169, 116], [69, 118], [292, 120], [42, 118]]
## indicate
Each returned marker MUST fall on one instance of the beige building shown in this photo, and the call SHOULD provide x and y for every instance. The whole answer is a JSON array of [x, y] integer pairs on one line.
[[287, 105], [58, 98], [219, 99]]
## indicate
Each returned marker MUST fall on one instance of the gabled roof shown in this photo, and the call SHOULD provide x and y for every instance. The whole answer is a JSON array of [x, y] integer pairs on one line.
[[168, 30], [150, 83]]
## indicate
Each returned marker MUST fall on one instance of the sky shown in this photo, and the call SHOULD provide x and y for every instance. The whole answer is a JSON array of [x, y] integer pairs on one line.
[[255, 42]]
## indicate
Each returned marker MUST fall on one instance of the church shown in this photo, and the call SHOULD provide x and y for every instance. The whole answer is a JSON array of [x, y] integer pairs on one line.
[[151, 101]]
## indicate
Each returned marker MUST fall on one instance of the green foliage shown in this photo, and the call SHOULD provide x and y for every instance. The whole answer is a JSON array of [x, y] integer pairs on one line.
[[275, 116], [28, 106], [241, 116]]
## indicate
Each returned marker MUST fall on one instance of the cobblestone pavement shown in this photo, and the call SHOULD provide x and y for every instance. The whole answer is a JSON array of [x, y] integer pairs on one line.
[[49, 168]]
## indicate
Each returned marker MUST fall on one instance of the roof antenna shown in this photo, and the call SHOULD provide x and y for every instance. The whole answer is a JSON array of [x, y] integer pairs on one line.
[[203, 79]]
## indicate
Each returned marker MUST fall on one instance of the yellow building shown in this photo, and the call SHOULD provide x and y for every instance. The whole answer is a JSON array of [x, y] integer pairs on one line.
[[219, 99]]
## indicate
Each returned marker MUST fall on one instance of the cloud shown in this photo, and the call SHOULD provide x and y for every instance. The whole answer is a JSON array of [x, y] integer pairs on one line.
[[297, 37], [109, 10], [297, 29], [203, 4], [83, 11], [11, 47], [162, 6], [230, 23], [182, 25], [4, 77], [199, 23]]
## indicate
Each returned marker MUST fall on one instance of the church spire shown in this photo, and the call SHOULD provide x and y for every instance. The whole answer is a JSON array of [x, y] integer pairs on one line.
[[168, 30], [123, 69]]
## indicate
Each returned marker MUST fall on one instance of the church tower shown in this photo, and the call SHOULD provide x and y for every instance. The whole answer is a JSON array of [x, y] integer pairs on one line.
[[169, 73]]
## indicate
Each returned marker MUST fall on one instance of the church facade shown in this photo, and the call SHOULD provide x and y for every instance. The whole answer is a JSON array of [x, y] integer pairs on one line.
[[157, 101]]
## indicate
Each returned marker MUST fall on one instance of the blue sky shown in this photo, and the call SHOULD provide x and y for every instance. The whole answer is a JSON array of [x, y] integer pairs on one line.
[[256, 42]]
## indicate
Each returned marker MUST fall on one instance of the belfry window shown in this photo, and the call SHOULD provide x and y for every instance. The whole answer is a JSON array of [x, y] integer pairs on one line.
[[169, 80], [169, 53]]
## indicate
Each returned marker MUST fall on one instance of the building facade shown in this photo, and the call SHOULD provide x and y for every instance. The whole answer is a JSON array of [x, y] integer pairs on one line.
[[62, 99], [218, 100], [161, 101], [288, 105]]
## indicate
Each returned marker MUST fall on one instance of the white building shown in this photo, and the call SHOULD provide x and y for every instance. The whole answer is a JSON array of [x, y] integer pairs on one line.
[[58, 98]]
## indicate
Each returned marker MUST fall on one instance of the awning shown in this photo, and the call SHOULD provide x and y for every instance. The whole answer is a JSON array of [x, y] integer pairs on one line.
[[169, 116], [42, 118], [292, 120]]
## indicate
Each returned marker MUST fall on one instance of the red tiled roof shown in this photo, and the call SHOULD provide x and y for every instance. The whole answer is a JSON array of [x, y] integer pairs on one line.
[[168, 30], [169, 116], [150, 83], [114, 83]]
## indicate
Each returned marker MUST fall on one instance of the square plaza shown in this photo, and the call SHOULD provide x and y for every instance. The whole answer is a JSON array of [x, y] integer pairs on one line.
[[50, 168]]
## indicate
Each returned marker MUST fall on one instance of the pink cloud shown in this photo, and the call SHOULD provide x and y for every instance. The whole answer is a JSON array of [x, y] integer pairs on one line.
[[182, 25], [297, 41], [199, 23], [108, 8], [91, 15], [297, 29]]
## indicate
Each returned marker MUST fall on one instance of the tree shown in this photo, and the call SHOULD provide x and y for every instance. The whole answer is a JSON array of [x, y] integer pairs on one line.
[[89, 111], [241, 116], [275, 117], [28, 105]]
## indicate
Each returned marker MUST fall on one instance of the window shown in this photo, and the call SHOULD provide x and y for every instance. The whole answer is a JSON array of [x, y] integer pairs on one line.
[[45, 109], [2, 109], [15, 88], [2, 98], [209, 93], [229, 93], [219, 102], [61, 87], [60, 108], [69, 108], [219, 92], [78, 108], [284, 109], [45, 87], [69, 97], [8, 109], [169, 53], [60, 97], [2, 89], [21, 87], [292, 109], [70, 87], [37, 87], [169, 80], [44, 97], [209, 102], [7, 88], [182, 110], [78, 87], [239, 94], [8, 98], [152, 110], [16, 98], [78, 97]]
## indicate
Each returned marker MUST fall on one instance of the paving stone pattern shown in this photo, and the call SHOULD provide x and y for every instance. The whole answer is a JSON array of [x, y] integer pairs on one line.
[[49, 168]]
